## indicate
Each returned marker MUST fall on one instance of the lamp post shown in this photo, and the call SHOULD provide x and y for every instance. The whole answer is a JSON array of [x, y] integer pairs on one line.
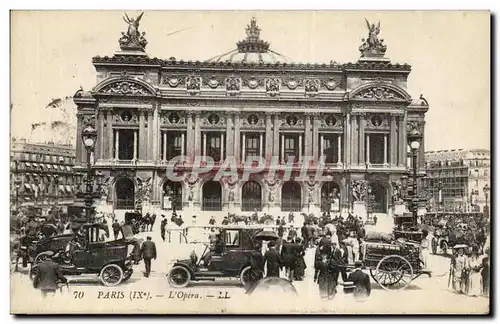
[[414, 138], [89, 135], [486, 190]]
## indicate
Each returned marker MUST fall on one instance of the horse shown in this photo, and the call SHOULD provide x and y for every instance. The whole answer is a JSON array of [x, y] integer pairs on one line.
[[234, 219], [266, 219]]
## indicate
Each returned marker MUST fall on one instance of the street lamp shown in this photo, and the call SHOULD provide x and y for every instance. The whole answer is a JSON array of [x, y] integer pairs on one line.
[[89, 135], [486, 190], [414, 139]]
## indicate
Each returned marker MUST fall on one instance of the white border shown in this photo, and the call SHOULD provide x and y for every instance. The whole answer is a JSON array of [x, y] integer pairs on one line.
[[192, 5]]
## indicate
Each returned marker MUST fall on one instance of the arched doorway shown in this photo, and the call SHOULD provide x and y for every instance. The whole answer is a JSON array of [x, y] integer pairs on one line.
[[251, 196], [212, 196], [291, 197], [172, 195], [125, 193], [330, 197], [379, 198]]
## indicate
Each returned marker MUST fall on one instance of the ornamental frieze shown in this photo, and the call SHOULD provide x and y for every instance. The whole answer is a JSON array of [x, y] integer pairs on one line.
[[172, 118], [174, 81], [213, 81], [377, 121], [125, 116], [330, 121], [272, 86], [312, 87], [87, 120], [253, 82], [213, 120], [378, 93], [252, 121], [125, 88], [193, 84], [413, 126], [331, 83], [233, 86], [292, 83], [293, 121]]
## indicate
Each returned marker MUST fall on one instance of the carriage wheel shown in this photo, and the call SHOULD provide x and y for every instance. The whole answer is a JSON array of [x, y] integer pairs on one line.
[[373, 273], [111, 275], [245, 276], [394, 272], [179, 277], [41, 257]]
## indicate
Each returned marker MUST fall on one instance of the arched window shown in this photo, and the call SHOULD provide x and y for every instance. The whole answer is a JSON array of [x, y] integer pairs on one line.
[[251, 195], [212, 196], [330, 197], [291, 196], [172, 195], [125, 193]]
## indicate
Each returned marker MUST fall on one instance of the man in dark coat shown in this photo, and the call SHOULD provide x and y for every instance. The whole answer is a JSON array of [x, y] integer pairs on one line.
[[305, 234], [273, 261], [361, 281], [225, 221], [256, 268], [211, 221], [48, 276], [292, 232], [148, 252], [116, 229], [153, 220], [278, 221], [162, 227], [281, 231]]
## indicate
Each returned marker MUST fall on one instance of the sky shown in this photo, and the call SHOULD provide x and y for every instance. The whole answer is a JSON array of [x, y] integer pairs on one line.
[[51, 53]]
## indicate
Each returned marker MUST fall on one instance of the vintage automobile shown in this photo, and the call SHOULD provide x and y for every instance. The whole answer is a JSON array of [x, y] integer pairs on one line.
[[229, 259], [84, 254]]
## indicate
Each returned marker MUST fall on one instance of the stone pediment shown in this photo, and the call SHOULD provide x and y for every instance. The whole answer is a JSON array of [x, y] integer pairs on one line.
[[379, 92], [124, 86]]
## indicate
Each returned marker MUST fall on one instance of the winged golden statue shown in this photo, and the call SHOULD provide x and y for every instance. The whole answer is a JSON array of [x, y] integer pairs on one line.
[[374, 31], [133, 26]]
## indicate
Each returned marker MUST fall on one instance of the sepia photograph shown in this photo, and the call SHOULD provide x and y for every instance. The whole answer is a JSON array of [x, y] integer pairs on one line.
[[250, 162]]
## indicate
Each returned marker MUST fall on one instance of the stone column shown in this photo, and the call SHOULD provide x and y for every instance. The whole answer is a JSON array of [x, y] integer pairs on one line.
[[243, 140], [117, 144], [182, 144], [149, 149], [79, 160], [361, 144], [402, 141], [276, 135], [197, 133], [109, 116], [282, 152], [135, 145], [339, 148], [164, 152], [229, 135], [190, 136], [101, 135], [300, 147], [269, 136], [315, 132], [308, 136], [222, 147], [347, 140], [321, 146], [143, 144], [367, 148], [354, 140], [156, 133], [204, 144], [261, 143], [393, 142], [385, 149], [237, 124]]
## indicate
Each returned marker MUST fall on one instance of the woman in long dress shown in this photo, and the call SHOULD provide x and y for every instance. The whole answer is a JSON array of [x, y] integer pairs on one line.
[[474, 280], [323, 274], [425, 249], [459, 267]]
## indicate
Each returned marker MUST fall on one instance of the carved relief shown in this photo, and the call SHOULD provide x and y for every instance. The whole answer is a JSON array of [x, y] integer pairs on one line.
[[330, 121], [125, 88], [174, 81], [292, 83], [193, 84], [272, 86], [126, 117], [213, 82], [87, 120], [330, 84], [233, 86], [413, 126], [358, 189], [172, 118], [252, 120], [293, 121], [378, 93], [312, 87], [213, 120], [253, 82]]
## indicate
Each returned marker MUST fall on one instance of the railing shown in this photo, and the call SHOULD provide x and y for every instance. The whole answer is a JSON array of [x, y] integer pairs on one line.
[[211, 204], [291, 204], [125, 204], [249, 204]]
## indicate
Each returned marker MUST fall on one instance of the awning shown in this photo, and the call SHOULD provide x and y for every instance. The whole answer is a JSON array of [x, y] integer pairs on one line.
[[68, 189]]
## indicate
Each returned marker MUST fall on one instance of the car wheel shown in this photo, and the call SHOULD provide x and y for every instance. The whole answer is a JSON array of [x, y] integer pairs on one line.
[[111, 275], [245, 276], [179, 277], [127, 276], [41, 257]]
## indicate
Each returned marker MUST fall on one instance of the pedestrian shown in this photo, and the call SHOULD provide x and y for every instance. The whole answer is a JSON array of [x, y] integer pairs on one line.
[[485, 277], [273, 261], [360, 281], [225, 221], [425, 249], [305, 235], [153, 220], [375, 220], [148, 252], [474, 285], [278, 221], [459, 269], [211, 221], [287, 257], [48, 275], [323, 272], [281, 231], [292, 232], [162, 227], [300, 265], [116, 229], [256, 271]]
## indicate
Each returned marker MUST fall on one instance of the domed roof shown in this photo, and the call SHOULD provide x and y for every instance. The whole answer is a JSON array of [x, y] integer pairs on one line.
[[252, 50]]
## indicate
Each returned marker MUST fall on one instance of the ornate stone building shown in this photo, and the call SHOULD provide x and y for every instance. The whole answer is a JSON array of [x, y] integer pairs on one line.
[[249, 102]]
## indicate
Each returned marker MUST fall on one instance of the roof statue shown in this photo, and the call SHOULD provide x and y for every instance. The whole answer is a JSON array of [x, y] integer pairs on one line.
[[373, 46], [133, 39], [252, 30]]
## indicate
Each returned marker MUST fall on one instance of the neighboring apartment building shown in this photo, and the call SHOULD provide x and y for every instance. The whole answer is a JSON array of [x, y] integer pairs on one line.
[[462, 177], [41, 174]]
